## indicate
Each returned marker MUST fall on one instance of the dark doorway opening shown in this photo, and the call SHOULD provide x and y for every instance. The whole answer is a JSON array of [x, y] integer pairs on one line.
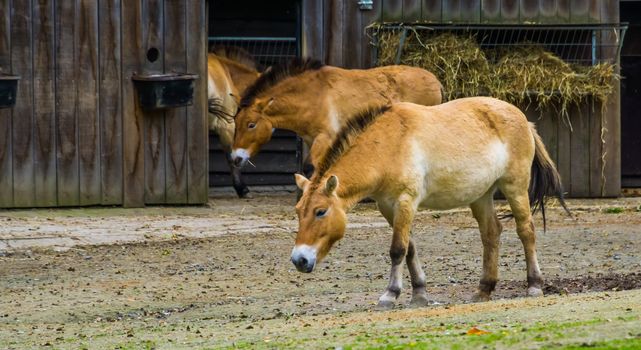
[[270, 31], [630, 95]]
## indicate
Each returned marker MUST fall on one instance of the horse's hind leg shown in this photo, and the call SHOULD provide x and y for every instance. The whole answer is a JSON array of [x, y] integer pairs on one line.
[[520, 205], [490, 227]]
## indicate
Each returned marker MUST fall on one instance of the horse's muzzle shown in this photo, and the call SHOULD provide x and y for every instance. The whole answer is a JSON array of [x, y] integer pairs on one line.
[[303, 265], [304, 258], [239, 157]]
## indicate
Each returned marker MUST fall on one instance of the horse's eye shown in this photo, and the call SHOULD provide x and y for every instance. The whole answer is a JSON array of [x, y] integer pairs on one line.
[[321, 212], [251, 125]]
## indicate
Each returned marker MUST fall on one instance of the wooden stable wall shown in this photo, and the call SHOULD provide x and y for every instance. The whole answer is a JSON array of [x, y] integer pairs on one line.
[[76, 135], [334, 31]]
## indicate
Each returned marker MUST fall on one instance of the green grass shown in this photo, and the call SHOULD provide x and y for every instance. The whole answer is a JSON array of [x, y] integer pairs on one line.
[[550, 335], [613, 210]]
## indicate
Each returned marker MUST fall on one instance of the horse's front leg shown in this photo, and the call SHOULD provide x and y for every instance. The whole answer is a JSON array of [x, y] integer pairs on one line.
[[236, 178], [419, 292], [403, 216]]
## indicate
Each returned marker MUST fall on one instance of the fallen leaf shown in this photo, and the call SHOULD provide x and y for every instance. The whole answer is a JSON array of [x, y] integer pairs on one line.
[[476, 331]]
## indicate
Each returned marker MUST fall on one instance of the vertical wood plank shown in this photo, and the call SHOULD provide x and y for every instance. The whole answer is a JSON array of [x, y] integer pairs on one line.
[[431, 10], [596, 152], [197, 171], [44, 104], [392, 10], [312, 29], [154, 121], [354, 33], [547, 126], [132, 117], [547, 11], [580, 151], [368, 52], [334, 29], [6, 157], [579, 11], [564, 157], [23, 145], [451, 10], [612, 117], [529, 11], [510, 11], [66, 104], [470, 11], [175, 119], [490, 11], [594, 12], [87, 92], [563, 11], [110, 104], [411, 10]]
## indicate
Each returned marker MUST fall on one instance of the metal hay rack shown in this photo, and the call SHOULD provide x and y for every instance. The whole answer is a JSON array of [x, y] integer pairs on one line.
[[584, 44], [267, 51]]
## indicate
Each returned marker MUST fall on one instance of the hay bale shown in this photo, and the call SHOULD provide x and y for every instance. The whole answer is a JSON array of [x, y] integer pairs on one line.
[[521, 74], [458, 62]]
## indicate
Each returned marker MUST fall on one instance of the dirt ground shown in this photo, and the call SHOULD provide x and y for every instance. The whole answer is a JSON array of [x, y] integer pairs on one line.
[[219, 276]]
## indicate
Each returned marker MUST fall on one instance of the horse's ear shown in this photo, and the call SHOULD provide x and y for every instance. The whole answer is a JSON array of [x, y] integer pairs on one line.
[[264, 104], [331, 185], [301, 181]]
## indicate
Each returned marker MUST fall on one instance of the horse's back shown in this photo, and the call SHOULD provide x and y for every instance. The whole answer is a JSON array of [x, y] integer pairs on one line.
[[414, 84], [460, 149], [390, 84]]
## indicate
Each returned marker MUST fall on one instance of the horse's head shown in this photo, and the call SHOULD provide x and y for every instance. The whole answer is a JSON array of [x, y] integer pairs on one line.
[[321, 222], [253, 129]]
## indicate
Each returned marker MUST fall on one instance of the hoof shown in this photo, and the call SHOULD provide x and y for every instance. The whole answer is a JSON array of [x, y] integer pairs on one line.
[[244, 193], [480, 297], [387, 300], [534, 292], [385, 305], [420, 300]]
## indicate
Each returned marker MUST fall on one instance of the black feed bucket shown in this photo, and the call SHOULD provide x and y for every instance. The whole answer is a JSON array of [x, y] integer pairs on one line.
[[8, 88], [161, 91]]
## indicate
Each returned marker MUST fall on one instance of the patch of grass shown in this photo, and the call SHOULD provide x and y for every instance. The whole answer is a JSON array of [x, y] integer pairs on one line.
[[613, 210], [619, 344], [143, 344], [544, 334]]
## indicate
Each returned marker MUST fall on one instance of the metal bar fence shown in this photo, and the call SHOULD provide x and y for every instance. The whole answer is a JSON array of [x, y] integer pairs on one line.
[[576, 44], [267, 51]]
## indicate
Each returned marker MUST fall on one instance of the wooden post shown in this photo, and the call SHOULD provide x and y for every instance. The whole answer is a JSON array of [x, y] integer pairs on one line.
[[6, 154]]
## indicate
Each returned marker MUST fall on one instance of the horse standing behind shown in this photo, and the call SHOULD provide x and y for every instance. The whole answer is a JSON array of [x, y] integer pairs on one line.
[[316, 101], [441, 157], [230, 71]]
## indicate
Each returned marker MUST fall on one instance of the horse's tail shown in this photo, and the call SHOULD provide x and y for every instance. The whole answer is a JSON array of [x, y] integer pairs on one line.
[[544, 179]]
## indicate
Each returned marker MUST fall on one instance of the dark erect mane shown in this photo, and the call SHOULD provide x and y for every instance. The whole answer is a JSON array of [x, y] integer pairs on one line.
[[277, 74], [343, 141], [235, 53]]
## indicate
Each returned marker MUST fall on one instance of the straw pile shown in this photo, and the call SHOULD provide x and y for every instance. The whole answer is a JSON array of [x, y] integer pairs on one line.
[[522, 74]]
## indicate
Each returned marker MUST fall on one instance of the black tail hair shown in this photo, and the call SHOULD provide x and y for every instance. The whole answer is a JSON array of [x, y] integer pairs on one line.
[[544, 179]]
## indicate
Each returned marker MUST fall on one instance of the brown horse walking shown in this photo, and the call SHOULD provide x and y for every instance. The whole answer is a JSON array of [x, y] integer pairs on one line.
[[230, 71], [409, 156], [315, 101]]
